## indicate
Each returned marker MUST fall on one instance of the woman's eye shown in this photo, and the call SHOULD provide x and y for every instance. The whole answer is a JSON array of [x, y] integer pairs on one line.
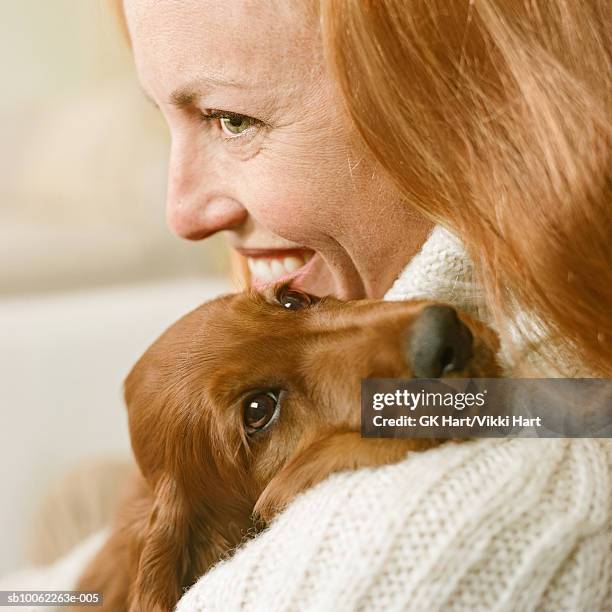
[[260, 410], [292, 299], [234, 125]]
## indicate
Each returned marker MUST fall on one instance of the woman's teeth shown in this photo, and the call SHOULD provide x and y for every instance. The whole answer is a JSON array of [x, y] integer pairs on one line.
[[268, 269]]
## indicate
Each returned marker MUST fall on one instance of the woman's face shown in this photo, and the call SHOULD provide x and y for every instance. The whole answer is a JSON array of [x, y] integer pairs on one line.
[[263, 149]]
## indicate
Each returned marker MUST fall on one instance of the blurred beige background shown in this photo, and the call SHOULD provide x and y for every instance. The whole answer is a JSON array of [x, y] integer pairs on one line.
[[82, 157], [89, 273]]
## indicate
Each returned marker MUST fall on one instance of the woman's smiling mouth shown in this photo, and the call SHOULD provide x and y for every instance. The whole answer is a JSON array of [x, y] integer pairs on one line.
[[275, 265]]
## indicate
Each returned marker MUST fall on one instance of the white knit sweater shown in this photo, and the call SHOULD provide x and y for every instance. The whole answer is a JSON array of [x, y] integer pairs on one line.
[[511, 525]]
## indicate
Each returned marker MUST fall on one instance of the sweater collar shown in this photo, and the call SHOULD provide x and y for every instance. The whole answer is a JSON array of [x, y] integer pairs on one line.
[[443, 272]]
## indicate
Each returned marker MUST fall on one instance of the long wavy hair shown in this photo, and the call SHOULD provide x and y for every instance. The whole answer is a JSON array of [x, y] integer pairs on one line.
[[493, 119]]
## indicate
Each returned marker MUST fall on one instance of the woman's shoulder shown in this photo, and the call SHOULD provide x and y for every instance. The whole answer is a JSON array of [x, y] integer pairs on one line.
[[464, 526]]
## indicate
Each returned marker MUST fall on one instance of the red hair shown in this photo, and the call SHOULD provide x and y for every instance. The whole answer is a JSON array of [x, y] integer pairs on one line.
[[493, 118]]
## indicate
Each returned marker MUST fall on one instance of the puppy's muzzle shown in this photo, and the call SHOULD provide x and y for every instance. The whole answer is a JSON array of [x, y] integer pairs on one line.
[[438, 343]]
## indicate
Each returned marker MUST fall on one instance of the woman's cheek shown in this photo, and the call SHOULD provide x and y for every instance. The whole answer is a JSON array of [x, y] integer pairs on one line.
[[287, 215], [299, 199]]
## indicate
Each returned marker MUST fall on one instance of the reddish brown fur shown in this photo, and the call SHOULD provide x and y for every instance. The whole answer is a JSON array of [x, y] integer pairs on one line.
[[203, 479]]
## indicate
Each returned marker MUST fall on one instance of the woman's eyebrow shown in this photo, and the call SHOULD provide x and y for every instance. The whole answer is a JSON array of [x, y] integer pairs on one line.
[[190, 92]]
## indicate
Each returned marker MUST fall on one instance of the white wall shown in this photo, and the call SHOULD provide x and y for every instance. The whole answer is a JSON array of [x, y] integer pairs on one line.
[[63, 358]]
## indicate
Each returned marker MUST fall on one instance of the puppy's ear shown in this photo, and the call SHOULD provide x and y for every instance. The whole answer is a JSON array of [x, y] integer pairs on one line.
[[109, 573], [178, 544], [113, 570], [164, 564]]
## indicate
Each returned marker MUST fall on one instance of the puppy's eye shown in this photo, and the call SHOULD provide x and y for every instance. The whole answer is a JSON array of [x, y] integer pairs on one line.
[[260, 410], [292, 299]]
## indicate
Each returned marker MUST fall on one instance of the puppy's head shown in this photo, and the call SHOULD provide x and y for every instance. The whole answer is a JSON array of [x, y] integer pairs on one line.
[[222, 400]]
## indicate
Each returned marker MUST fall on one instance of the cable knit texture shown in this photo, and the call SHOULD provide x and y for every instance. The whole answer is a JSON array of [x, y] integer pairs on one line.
[[487, 525], [512, 525], [440, 271]]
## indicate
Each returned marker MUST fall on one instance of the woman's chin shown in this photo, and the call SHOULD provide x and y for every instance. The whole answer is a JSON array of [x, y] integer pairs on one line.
[[316, 279], [319, 279]]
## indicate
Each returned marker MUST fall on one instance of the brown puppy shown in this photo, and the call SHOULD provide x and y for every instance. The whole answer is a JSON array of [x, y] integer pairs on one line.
[[247, 401]]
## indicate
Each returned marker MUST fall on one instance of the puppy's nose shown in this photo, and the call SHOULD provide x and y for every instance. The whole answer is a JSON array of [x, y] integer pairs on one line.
[[438, 343]]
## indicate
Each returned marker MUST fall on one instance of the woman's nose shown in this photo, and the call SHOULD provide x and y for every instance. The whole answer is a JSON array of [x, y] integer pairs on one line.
[[197, 206], [199, 218]]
